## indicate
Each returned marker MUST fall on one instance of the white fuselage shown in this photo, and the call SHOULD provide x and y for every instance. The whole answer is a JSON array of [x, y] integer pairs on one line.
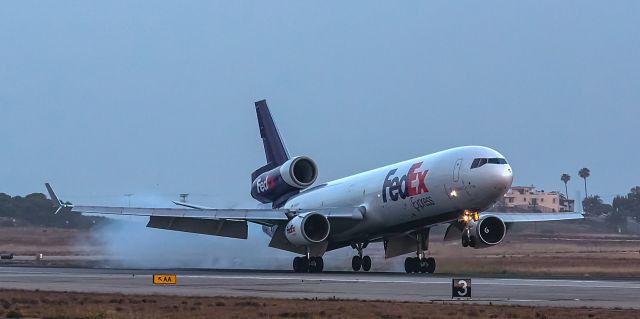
[[423, 191]]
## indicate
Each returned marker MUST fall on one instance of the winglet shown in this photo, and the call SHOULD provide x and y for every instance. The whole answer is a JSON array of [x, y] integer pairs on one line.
[[57, 203]]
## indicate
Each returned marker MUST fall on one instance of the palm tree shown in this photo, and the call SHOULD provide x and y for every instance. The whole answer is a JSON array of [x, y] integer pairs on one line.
[[565, 178], [584, 173]]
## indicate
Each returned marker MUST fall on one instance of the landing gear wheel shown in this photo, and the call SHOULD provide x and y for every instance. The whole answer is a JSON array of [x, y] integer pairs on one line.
[[356, 263], [316, 264], [431, 265], [359, 261], [423, 265], [465, 241], [312, 264], [296, 264], [304, 264], [366, 263], [410, 265]]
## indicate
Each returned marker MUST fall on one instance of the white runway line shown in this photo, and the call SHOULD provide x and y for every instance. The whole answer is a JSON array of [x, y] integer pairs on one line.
[[524, 291], [319, 278]]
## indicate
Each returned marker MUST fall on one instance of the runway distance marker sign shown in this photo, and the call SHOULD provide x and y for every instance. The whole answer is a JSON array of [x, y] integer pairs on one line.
[[164, 279], [461, 288]]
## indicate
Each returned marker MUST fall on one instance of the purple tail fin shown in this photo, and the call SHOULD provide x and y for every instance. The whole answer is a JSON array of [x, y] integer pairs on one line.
[[274, 148]]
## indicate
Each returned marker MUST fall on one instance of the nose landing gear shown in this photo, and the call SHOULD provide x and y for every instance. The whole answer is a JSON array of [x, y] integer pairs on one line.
[[360, 262], [467, 240]]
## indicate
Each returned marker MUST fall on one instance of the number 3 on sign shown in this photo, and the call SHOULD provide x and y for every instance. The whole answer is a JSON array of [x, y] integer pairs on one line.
[[461, 288]]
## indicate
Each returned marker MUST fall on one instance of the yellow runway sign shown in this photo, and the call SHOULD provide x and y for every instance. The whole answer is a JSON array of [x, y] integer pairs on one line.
[[164, 279]]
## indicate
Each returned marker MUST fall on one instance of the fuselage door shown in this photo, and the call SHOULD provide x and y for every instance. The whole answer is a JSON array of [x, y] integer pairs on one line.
[[456, 170]]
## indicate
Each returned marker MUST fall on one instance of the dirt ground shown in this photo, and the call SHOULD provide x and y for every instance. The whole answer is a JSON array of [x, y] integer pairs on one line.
[[38, 304]]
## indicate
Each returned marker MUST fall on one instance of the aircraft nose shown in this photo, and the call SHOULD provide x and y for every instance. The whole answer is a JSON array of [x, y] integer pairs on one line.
[[507, 177], [495, 180]]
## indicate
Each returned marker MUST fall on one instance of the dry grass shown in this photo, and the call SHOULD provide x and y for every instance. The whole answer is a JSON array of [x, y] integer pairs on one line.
[[545, 256], [50, 241], [38, 304]]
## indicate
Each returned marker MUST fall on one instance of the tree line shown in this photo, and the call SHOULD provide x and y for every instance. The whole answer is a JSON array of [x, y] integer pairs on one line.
[[37, 210], [617, 213]]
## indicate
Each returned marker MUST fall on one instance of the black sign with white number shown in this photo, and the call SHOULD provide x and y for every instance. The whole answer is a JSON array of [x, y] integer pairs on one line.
[[461, 288]]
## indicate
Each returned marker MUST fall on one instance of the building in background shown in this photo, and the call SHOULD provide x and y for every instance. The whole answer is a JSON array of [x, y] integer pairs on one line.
[[526, 198]]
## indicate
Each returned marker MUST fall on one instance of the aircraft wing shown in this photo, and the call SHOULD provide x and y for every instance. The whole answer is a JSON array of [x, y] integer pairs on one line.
[[270, 215], [532, 217], [209, 221], [257, 215]]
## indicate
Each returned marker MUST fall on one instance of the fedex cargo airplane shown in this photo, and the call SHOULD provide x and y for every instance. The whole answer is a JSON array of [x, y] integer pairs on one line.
[[396, 204]]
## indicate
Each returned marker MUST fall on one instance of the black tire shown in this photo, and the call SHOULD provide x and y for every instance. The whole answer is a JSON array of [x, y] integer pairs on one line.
[[356, 263], [366, 263], [431, 265], [410, 265], [423, 265], [319, 264], [316, 264], [304, 264], [312, 265], [296, 264], [465, 241]]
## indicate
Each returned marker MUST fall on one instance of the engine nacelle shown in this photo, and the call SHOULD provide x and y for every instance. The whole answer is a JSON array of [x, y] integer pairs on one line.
[[307, 228], [295, 174], [486, 232]]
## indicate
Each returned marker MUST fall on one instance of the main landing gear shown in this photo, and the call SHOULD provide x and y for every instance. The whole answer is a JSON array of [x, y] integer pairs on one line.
[[417, 265], [360, 262], [420, 263], [308, 264]]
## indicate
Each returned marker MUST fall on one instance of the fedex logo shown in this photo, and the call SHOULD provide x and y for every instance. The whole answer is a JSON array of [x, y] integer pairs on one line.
[[291, 229], [407, 185], [264, 185]]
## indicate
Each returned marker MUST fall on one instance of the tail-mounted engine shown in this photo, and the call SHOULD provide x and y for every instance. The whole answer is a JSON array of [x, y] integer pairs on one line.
[[292, 176], [485, 232], [307, 228]]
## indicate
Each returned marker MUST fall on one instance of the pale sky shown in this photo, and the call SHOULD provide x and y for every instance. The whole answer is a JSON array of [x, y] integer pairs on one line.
[[155, 98]]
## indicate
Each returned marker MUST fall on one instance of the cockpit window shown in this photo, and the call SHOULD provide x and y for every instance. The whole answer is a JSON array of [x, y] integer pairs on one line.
[[497, 161], [481, 161]]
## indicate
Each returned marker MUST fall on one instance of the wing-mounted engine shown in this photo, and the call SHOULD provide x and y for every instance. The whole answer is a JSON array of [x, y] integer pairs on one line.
[[287, 179], [486, 232], [307, 229]]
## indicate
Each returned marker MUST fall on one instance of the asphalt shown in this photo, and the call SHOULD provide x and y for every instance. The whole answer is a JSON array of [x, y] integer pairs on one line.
[[342, 285]]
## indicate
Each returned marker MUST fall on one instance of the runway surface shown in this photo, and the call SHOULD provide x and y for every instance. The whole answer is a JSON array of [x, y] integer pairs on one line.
[[342, 285]]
